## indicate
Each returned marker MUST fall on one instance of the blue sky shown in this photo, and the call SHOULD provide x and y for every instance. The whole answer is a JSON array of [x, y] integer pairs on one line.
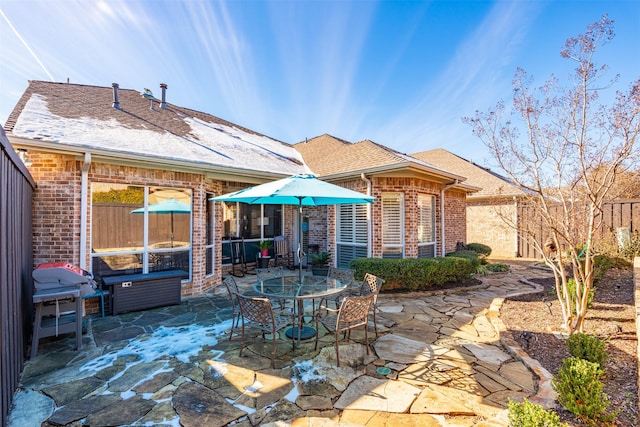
[[401, 73]]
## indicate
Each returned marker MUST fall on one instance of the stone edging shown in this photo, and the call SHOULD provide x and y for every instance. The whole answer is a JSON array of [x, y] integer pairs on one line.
[[545, 395]]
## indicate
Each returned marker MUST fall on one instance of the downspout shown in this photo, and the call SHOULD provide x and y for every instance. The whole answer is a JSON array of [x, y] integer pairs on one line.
[[442, 240], [84, 198], [369, 225]]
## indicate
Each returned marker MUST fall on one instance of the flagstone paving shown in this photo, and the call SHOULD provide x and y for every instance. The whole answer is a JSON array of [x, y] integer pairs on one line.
[[438, 361]]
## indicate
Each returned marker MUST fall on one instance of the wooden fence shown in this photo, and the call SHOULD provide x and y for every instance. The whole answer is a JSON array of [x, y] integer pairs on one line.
[[615, 215], [16, 265]]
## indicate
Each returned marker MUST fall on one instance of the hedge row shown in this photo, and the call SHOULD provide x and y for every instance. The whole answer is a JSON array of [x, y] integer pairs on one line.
[[415, 274]]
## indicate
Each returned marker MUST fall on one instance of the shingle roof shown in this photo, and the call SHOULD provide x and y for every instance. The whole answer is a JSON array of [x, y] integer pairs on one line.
[[492, 184], [80, 116], [327, 155]]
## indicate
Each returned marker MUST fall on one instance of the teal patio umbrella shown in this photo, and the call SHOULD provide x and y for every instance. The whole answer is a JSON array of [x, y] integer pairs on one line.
[[299, 190], [168, 206]]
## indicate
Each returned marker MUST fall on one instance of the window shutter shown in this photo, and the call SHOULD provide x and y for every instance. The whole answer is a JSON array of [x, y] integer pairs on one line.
[[351, 233], [426, 226], [392, 225]]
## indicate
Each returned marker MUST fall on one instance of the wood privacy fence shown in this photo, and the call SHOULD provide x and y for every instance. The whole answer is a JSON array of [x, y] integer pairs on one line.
[[16, 265], [615, 215]]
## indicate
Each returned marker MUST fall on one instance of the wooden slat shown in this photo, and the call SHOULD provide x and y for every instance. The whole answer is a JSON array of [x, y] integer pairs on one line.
[[16, 263]]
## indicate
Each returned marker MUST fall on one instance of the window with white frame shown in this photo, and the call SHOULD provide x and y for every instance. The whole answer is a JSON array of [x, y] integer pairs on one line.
[[139, 229], [351, 233], [426, 226], [392, 225], [210, 236]]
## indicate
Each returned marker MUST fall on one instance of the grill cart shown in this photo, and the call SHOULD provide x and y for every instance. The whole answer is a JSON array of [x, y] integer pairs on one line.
[[58, 291]]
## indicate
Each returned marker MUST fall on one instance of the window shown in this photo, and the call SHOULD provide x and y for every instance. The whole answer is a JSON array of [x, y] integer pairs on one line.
[[137, 229], [392, 225], [210, 235], [252, 223], [351, 233], [426, 226]]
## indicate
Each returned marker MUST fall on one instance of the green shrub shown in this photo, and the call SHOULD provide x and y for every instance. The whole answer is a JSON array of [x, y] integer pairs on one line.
[[580, 390], [479, 248], [467, 254], [497, 268], [587, 347], [414, 274], [527, 414]]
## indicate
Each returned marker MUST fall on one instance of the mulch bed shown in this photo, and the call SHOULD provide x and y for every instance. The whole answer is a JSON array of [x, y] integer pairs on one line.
[[530, 320]]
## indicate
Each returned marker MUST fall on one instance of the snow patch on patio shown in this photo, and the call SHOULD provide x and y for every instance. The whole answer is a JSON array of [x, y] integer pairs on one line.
[[181, 342]]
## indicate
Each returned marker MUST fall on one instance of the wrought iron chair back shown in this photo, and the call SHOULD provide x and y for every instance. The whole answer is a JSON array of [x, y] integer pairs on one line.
[[269, 273], [345, 275], [371, 286], [232, 288], [353, 313], [259, 312], [342, 274]]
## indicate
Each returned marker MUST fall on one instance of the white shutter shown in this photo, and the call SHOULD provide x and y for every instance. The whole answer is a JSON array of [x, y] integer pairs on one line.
[[351, 233], [392, 225], [426, 226]]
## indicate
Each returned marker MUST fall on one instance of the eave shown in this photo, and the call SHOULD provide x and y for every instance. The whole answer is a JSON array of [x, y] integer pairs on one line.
[[223, 173]]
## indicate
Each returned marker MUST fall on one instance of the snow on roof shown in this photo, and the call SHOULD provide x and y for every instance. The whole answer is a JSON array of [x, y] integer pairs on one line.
[[207, 143]]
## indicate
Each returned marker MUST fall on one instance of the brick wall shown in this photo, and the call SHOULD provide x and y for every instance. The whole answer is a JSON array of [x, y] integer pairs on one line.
[[56, 211], [455, 221], [411, 187], [487, 226], [56, 226]]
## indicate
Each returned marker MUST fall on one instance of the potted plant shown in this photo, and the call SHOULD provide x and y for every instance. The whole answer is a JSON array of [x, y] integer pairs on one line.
[[264, 245], [320, 263]]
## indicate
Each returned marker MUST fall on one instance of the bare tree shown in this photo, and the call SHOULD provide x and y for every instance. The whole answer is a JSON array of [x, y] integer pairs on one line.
[[565, 149]]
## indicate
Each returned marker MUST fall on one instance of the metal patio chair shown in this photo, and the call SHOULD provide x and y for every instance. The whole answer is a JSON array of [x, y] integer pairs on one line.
[[371, 286], [269, 273], [232, 288], [353, 313], [259, 313], [272, 273]]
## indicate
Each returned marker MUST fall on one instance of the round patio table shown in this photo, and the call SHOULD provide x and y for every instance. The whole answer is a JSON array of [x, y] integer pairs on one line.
[[309, 288]]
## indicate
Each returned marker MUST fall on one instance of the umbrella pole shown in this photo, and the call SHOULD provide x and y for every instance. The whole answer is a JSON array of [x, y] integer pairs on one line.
[[172, 229], [300, 241]]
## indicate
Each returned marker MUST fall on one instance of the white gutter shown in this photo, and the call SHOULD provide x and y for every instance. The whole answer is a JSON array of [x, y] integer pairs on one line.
[[227, 173], [369, 225], [442, 240], [84, 199]]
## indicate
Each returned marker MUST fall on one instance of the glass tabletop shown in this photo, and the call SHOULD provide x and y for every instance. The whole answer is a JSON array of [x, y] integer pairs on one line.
[[290, 287]]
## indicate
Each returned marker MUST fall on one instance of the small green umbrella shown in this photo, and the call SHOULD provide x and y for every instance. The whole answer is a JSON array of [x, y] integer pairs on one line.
[[168, 206]]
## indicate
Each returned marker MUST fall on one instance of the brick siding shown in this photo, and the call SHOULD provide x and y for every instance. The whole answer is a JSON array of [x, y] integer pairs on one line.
[[455, 219], [56, 211]]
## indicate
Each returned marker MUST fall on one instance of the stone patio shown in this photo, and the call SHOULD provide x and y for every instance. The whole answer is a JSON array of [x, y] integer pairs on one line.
[[175, 366]]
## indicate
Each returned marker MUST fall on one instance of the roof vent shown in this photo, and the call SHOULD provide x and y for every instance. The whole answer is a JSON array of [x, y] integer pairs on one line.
[[116, 103], [163, 105], [147, 94]]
